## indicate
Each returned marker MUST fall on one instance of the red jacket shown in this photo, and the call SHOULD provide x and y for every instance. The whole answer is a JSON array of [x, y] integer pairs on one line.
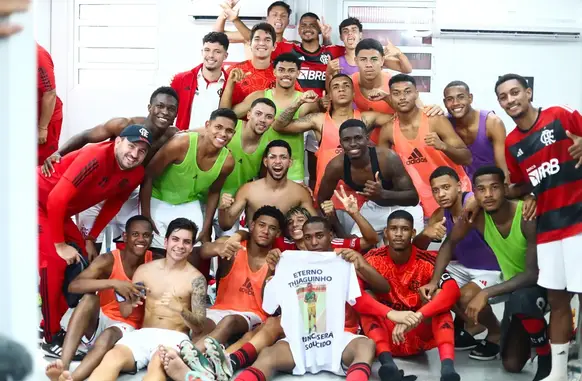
[[185, 85]]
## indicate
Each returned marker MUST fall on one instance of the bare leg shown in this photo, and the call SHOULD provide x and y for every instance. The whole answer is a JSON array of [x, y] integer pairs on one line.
[[243, 340], [119, 359], [174, 366], [486, 317], [276, 358], [224, 330], [103, 344], [359, 350], [267, 335], [156, 370]]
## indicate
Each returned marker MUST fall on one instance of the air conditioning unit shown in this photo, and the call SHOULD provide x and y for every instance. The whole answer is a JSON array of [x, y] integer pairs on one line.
[[507, 20], [250, 10]]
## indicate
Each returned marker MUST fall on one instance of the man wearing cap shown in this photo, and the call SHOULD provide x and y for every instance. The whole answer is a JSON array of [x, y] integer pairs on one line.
[[107, 171]]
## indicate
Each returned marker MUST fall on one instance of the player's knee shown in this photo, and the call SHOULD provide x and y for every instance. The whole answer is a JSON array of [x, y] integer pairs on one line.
[[107, 339], [528, 301], [272, 326], [511, 365], [228, 322], [89, 301], [468, 292], [114, 358]]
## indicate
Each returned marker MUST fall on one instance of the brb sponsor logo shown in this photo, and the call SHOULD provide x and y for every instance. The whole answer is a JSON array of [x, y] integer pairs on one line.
[[538, 174], [312, 75]]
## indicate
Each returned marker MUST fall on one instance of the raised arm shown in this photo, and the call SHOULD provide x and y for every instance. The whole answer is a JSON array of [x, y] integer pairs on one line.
[[281, 124], [496, 134], [230, 210], [394, 59], [307, 200], [243, 33], [444, 138], [214, 197], [333, 174], [243, 108], [95, 277], [433, 230]]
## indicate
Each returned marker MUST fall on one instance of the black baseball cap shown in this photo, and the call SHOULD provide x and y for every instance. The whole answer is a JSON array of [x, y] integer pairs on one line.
[[137, 133]]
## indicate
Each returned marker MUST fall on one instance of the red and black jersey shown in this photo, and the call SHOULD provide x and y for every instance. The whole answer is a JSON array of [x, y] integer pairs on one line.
[[406, 279], [540, 156], [336, 243], [314, 64]]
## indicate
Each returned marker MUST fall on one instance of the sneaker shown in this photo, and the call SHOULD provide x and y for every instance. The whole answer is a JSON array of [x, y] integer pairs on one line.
[[196, 376], [485, 351], [55, 350], [574, 372], [544, 367], [221, 361], [40, 335], [196, 360], [464, 341]]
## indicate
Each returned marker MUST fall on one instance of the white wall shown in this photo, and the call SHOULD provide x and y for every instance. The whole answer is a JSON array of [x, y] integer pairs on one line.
[[479, 63]]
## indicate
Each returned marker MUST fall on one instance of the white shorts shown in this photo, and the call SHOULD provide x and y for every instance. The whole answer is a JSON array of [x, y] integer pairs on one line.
[[117, 225], [377, 217], [301, 369], [104, 323], [464, 275], [216, 316], [560, 263], [144, 343], [163, 213]]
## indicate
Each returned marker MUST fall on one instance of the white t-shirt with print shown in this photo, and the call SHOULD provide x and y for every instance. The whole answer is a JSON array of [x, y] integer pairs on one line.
[[312, 289]]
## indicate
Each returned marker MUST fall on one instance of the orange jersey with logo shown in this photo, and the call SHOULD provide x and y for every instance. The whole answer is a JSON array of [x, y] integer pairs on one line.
[[242, 289], [108, 301], [364, 104], [421, 160]]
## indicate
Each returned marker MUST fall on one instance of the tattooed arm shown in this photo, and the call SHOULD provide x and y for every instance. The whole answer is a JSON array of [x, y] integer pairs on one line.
[[196, 316], [286, 116]]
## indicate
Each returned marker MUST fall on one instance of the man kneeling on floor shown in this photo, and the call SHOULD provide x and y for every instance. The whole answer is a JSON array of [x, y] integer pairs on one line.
[[175, 304], [97, 320], [417, 327]]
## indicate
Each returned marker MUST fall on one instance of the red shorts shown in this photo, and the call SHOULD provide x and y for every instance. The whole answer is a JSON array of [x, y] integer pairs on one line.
[[52, 271], [52, 141], [418, 340]]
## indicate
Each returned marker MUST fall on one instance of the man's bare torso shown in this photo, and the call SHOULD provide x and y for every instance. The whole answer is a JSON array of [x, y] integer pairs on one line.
[[283, 198]]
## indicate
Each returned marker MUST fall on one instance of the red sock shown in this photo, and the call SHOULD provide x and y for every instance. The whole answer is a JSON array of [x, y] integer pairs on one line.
[[359, 372], [444, 335], [244, 357], [377, 331], [251, 374], [537, 329]]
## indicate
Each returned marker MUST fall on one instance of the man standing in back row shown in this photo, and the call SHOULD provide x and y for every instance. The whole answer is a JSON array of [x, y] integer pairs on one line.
[[544, 153], [108, 171]]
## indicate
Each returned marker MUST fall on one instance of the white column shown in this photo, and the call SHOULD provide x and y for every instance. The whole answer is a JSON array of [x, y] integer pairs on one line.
[[18, 227]]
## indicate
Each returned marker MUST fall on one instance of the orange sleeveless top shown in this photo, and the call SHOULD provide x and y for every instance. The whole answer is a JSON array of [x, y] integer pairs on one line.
[[364, 104], [107, 300], [421, 160], [242, 289]]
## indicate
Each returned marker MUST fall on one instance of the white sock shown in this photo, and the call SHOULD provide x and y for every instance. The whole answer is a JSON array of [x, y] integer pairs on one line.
[[559, 362]]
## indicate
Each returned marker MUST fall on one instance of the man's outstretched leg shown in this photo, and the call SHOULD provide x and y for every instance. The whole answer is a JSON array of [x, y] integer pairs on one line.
[[359, 354], [273, 359], [560, 333], [105, 342], [119, 359], [444, 336]]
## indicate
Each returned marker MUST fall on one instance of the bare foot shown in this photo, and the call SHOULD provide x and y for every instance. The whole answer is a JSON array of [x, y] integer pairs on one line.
[[174, 366], [54, 370], [162, 351], [66, 376]]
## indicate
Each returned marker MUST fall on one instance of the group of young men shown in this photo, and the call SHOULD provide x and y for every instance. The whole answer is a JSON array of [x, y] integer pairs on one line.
[[218, 200]]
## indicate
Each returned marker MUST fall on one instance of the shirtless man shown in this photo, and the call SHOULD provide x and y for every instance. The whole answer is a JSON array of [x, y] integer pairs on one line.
[[422, 143], [482, 131], [97, 320], [190, 168], [513, 240], [274, 189], [175, 303], [376, 173], [291, 104], [162, 111]]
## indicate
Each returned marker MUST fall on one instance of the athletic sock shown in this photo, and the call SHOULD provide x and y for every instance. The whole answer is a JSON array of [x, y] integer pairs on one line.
[[386, 358], [444, 335], [251, 374], [537, 329], [559, 362], [359, 372], [388, 370], [244, 357], [448, 372]]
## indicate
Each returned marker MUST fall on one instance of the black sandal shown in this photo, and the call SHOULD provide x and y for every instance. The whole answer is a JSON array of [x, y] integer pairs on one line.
[[485, 351]]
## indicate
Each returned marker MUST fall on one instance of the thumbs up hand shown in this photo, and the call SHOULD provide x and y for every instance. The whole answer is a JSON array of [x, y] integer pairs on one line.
[[437, 230], [575, 149], [373, 189]]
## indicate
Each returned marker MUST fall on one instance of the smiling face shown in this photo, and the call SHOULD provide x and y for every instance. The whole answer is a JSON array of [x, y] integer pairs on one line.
[[341, 91], [446, 191], [162, 111], [220, 131], [260, 118], [130, 154], [286, 74], [354, 142], [179, 244], [278, 17], [458, 101], [213, 55], [308, 29], [489, 192], [514, 98], [403, 96], [277, 162], [138, 238], [262, 44], [350, 36], [295, 226]]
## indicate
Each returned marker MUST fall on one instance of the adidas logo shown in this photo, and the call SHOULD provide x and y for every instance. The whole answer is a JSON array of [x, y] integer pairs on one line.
[[301, 58], [446, 326], [247, 287], [519, 153], [416, 157]]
